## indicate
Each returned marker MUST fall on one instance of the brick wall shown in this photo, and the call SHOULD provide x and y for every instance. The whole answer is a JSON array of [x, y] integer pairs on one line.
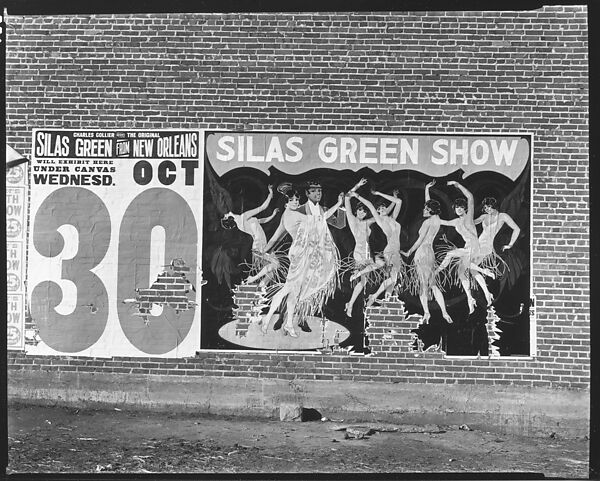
[[415, 72], [170, 288]]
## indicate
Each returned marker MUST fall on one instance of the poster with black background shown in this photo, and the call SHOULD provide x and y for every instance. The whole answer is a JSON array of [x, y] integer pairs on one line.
[[250, 180]]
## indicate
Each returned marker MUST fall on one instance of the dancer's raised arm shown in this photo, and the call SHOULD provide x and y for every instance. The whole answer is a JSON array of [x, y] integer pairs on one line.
[[367, 203], [467, 194], [427, 187], [348, 207], [396, 202], [347, 204], [359, 184], [264, 220], [331, 211], [376, 217], [260, 208]]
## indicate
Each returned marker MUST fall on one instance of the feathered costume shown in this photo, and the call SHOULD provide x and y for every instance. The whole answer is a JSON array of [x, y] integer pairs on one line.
[[312, 276]]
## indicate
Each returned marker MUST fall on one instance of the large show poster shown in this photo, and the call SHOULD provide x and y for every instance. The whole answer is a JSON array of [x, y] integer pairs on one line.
[[304, 232], [113, 246]]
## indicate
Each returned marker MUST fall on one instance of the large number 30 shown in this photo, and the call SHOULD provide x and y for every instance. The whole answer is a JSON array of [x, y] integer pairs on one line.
[[86, 212]]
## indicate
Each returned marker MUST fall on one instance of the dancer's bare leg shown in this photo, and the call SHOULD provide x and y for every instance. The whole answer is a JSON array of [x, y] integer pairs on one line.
[[384, 286], [482, 270], [439, 298], [389, 290], [488, 295], [350, 304], [275, 303], [378, 264], [447, 259], [467, 288], [425, 304], [263, 272], [288, 327]]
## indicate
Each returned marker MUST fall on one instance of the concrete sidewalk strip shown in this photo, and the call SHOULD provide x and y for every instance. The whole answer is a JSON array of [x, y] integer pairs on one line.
[[510, 409]]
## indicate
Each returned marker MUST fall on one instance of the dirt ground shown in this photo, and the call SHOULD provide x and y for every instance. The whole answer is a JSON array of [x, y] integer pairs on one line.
[[67, 440]]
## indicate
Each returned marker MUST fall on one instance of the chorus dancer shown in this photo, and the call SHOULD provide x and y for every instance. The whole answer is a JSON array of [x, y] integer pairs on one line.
[[423, 279], [263, 262], [390, 259], [492, 222], [465, 259], [361, 255]]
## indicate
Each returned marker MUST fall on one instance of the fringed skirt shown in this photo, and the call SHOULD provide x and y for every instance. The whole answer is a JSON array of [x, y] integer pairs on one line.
[[374, 276], [389, 263], [461, 266], [494, 263], [394, 265], [278, 259], [312, 277], [421, 273]]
